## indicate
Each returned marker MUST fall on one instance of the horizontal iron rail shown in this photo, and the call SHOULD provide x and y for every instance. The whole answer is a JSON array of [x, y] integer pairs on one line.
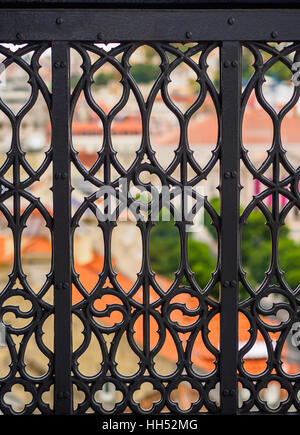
[[152, 3], [149, 25]]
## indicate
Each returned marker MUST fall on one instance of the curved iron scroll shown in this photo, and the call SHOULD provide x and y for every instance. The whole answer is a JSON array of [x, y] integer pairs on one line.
[[146, 299], [109, 313], [265, 321], [17, 178]]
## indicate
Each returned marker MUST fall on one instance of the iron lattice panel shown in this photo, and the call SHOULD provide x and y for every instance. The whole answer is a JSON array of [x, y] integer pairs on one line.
[[15, 188], [230, 104], [279, 178], [161, 309]]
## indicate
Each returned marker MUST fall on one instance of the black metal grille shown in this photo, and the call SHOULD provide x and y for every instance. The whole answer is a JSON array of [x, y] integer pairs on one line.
[[162, 304], [277, 161], [147, 300]]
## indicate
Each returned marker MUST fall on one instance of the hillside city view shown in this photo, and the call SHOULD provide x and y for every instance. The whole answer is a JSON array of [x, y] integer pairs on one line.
[[87, 138]]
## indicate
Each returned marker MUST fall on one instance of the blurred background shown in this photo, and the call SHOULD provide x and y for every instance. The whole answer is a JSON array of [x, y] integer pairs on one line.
[[126, 244]]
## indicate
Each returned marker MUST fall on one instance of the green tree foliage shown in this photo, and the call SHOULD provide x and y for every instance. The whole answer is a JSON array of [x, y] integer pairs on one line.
[[247, 62], [289, 259], [165, 253], [165, 248], [201, 261], [74, 80], [280, 72], [144, 73], [256, 249], [103, 78]]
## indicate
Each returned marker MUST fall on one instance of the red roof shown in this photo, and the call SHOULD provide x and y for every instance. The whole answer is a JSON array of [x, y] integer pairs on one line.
[[257, 129], [201, 356], [129, 125]]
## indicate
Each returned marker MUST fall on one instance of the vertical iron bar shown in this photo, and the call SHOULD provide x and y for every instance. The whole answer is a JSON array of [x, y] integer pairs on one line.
[[230, 159], [62, 218]]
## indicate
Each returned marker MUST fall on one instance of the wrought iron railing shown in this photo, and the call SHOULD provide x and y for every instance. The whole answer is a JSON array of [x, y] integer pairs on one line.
[[36, 30]]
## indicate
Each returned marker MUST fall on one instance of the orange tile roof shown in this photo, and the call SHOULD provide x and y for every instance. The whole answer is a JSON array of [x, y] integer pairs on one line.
[[200, 131], [36, 212], [38, 245], [4, 258], [128, 125], [201, 356], [257, 129], [88, 159]]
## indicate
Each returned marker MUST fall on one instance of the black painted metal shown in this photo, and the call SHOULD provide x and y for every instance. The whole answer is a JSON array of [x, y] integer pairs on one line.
[[180, 4], [162, 308], [61, 223], [149, 25], [274, 283], [211, 29], [230, 133], [18, 284]]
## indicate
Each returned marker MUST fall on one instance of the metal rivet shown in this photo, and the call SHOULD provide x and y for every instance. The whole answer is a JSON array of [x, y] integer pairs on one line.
[[232, 392], [59, 20], [227, 174], [234, 63], [274, 35], [20, 36], [226, 392], [231, 21], [63, 395], [56, 65], [226, 283], [226, 63], [188, 35], [233, 174], [232, 283], [62, 64], [62, 175], [62, 285]]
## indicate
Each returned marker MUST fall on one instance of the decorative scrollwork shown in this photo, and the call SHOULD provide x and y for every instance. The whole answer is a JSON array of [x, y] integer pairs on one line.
[[143, 316], [272, 307], [31, 318]]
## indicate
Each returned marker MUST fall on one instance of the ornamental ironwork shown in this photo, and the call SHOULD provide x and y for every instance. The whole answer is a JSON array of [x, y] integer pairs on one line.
[[143, 315]]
